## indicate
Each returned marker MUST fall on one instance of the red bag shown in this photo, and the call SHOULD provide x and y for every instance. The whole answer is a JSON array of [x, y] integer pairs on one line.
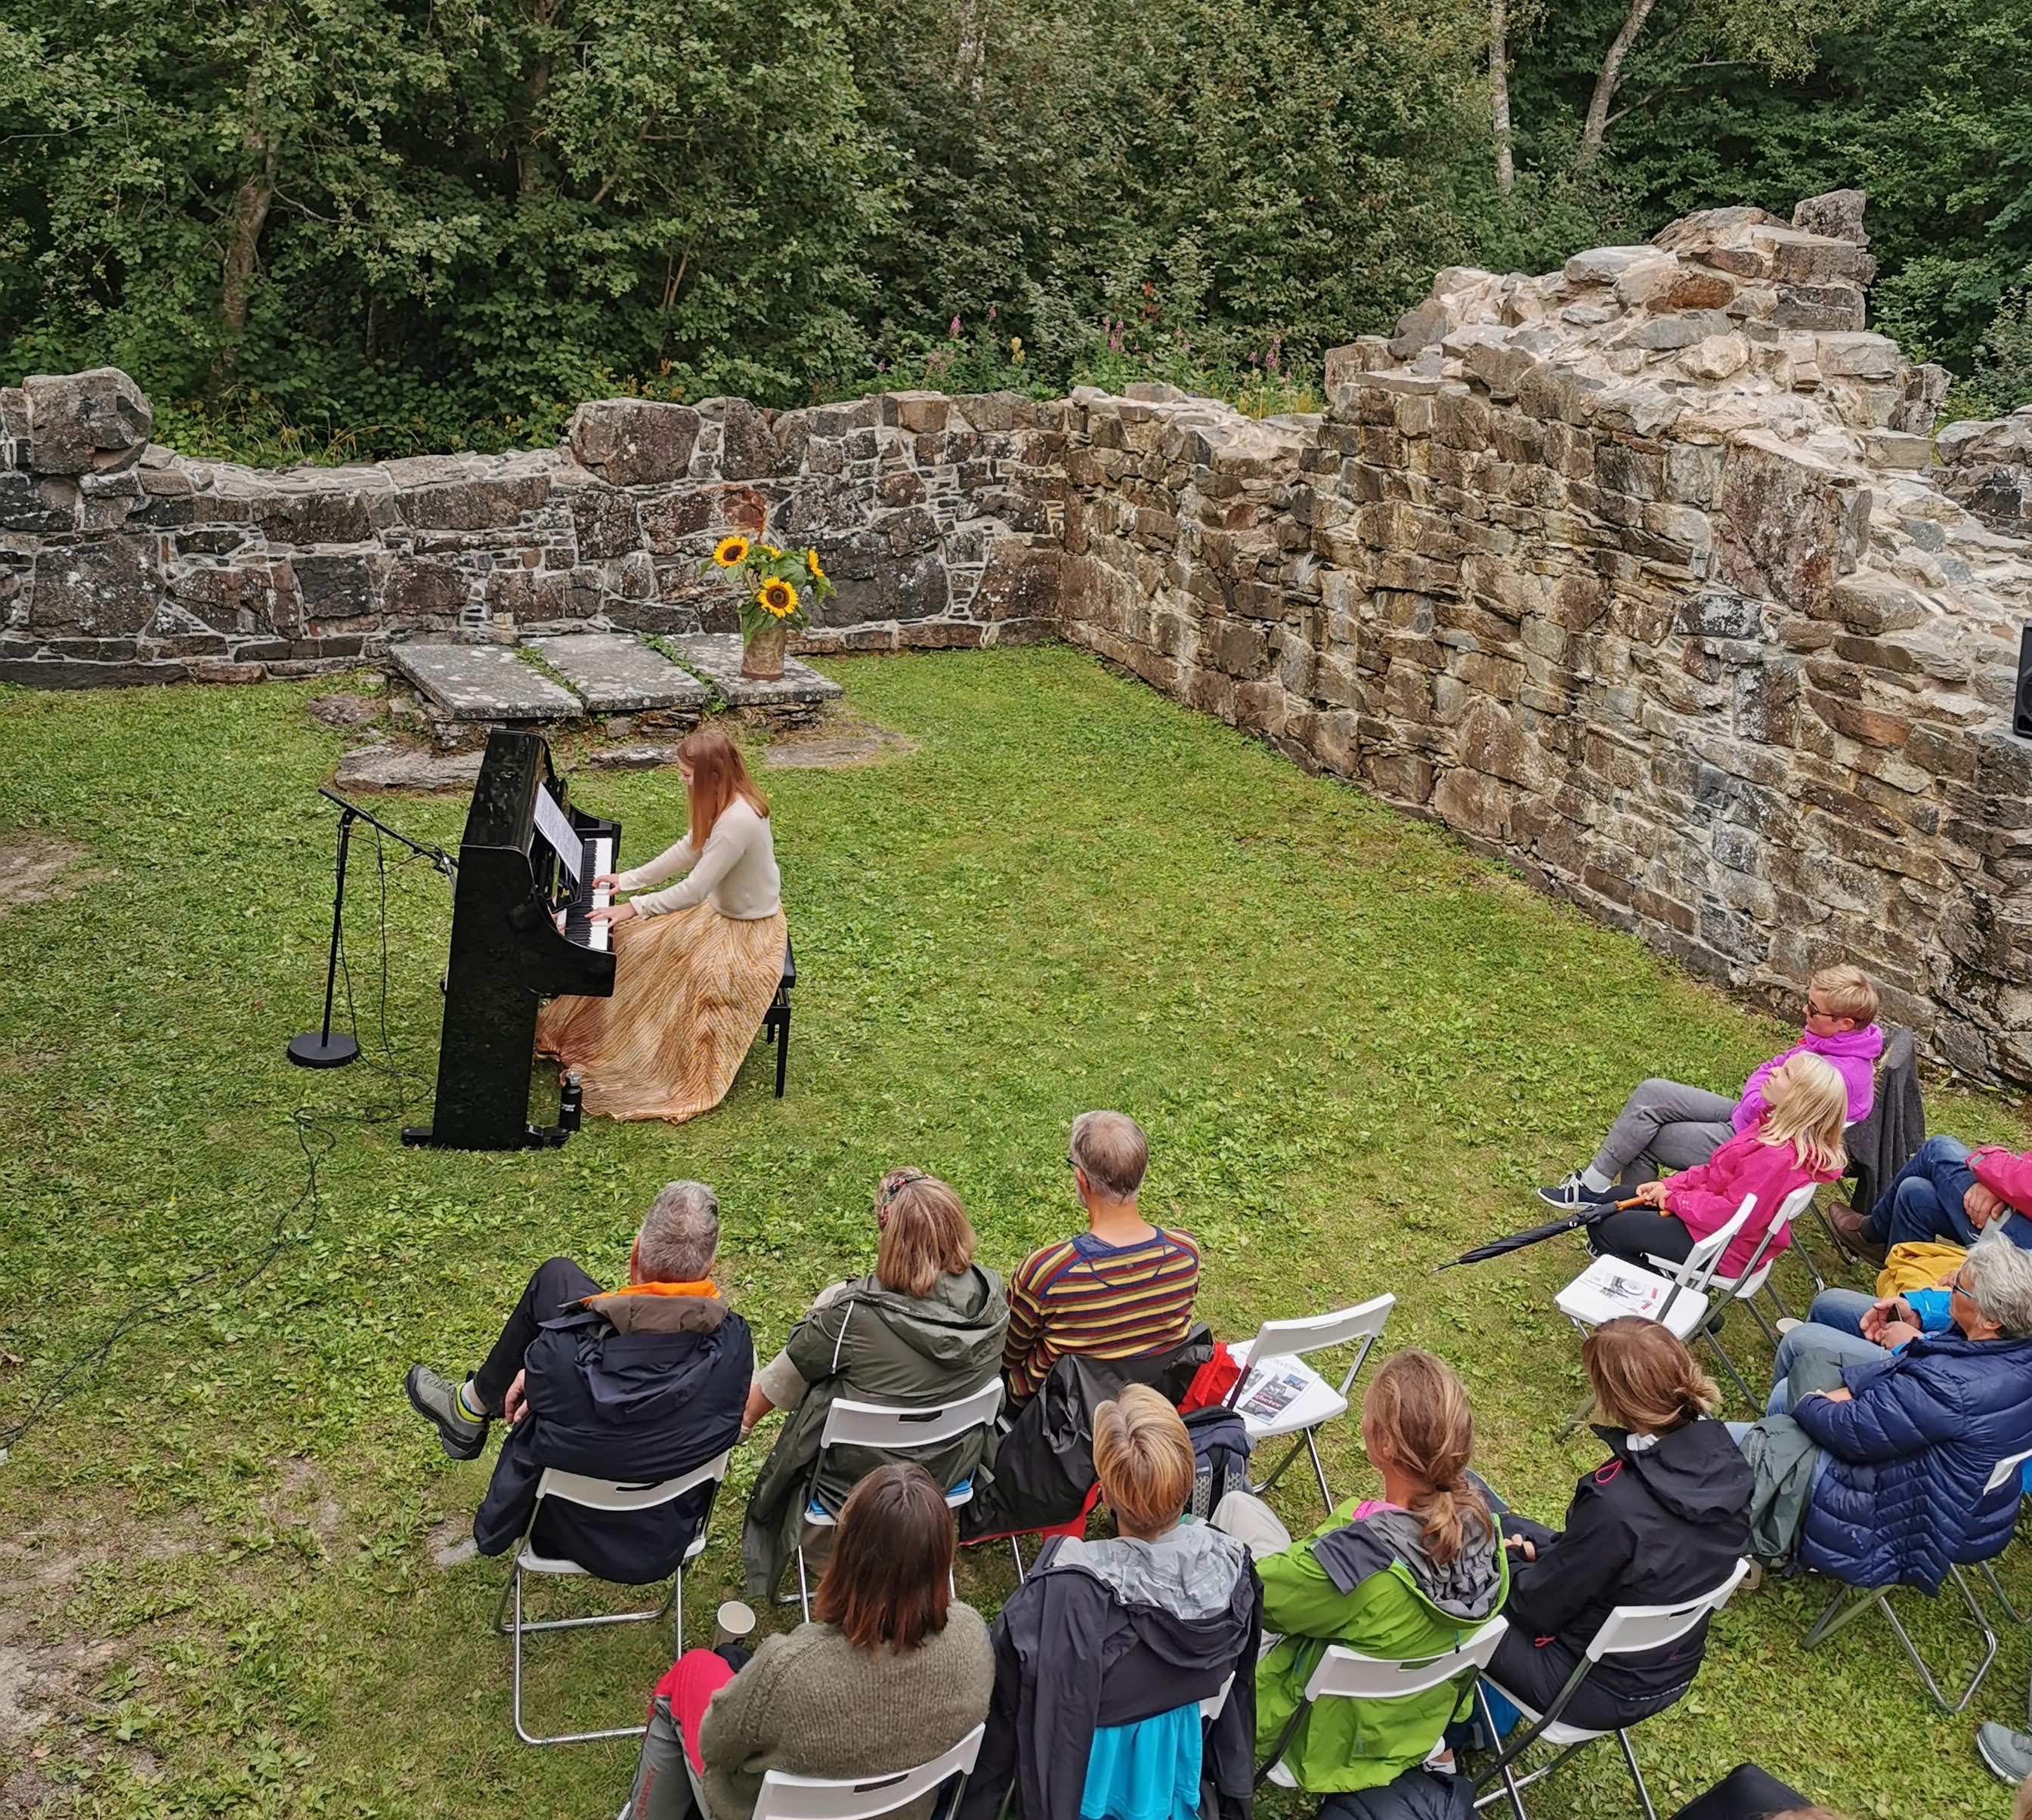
[[1213, 1382]]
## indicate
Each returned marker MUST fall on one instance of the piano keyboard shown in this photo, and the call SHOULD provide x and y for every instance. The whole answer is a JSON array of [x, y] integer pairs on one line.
[[572, 922]]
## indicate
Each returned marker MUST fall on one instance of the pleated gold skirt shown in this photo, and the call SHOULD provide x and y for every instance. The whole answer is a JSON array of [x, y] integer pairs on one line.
[[690, 989]]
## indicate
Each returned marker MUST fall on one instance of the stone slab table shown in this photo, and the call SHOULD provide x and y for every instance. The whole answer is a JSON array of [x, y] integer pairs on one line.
[[482, 683], [614, 673], [716, 656]]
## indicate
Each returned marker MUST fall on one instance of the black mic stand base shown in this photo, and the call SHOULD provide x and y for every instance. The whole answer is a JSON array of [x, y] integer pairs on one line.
[[323, 1049]]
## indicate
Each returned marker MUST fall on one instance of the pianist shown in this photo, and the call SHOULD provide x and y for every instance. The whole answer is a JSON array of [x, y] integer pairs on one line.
[[695, 963]]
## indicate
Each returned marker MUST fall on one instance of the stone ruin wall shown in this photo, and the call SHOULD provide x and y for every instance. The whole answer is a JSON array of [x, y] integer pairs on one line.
[[1634, 574], [121, 562], [1643, 575]]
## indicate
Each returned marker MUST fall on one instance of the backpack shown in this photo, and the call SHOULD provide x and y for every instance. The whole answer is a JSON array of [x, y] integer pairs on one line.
[[1220, 1457]]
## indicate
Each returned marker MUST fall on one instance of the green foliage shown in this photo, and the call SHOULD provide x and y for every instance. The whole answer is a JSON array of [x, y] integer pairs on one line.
[[2003, 378], [1355, 1045]]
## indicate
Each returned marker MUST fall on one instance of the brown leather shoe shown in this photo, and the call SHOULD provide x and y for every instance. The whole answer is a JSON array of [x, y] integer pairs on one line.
[[1847, 1224]]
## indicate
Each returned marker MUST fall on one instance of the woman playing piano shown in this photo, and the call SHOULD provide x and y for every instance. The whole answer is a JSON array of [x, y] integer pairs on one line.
[[695, 964]]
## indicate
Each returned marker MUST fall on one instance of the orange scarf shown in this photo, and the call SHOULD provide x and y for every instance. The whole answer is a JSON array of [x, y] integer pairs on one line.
[[707, 1288]]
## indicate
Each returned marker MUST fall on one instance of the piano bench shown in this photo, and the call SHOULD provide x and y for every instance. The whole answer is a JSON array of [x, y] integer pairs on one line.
[[776, 1019]]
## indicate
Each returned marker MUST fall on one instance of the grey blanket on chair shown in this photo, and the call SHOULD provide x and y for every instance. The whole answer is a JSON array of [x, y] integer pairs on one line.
[[1782, 1457]]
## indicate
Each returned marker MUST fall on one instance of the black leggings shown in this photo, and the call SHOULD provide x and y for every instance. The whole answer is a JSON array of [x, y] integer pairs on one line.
[[1637, 1231], [552, 1287]]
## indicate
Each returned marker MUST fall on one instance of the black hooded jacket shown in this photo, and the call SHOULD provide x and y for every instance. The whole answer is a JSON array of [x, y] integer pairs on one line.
[[1071, 1657], [630, 1387], [1651, 1525]]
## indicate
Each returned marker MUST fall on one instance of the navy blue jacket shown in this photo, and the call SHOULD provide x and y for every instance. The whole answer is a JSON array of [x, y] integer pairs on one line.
[[632, 1387], [1901, 1498]]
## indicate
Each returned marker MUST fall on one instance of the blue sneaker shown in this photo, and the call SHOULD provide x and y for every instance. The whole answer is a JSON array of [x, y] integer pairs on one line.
[[1572, 1195], [2008, 1754]]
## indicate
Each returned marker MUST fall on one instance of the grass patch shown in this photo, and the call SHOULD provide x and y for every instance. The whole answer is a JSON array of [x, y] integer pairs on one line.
[[1355, 1045]]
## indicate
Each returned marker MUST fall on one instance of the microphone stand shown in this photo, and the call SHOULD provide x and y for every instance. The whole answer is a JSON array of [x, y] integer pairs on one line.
[[320, 1048]]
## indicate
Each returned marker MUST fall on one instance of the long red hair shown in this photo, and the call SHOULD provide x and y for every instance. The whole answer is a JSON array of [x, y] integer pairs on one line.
[[718, 775]]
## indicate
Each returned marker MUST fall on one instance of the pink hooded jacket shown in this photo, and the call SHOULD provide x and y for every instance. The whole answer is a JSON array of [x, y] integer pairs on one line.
[[1854, 1055], [2007, 1174], [1706, 1198]]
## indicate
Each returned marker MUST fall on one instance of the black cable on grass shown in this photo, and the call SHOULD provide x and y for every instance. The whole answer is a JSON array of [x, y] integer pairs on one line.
[[317, 1136]]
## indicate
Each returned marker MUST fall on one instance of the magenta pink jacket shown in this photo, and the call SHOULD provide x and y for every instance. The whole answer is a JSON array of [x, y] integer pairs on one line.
[[2007, 1174], [1706, 1198], [1854, 1055]]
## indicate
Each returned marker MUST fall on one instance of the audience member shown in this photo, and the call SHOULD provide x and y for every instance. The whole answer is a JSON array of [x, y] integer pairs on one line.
[[1666, 1518], [892, 1671], [1796, 1139], [1665, 1125], [641, 1384], [1403, 1576], [1946, 1191], [1104, 1652], [1122, 1288], [926, 1328], [1895, 1457]]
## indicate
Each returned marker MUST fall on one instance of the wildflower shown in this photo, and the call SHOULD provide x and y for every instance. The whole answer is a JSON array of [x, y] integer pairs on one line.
[[991, 312], [812, 563], [731, 552], [953, 331], [778, 599], [770, 551], [1016, 349]]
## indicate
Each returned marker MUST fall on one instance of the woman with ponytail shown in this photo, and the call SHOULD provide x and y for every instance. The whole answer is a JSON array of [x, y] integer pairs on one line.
[[1409, 1574], [1665, 1517]]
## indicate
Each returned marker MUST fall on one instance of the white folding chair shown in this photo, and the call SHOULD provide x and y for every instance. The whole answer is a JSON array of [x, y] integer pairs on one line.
[[2008, 1472], [607, 1495], [1677, 1300], [1289, 1396], [887, 1429], [1345, 1674], [1626, 1631], [786, 1797], [1755, 1277]]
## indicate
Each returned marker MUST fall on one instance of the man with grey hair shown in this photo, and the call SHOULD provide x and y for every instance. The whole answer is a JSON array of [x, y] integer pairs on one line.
[[638, 1385], [1896, 1450]]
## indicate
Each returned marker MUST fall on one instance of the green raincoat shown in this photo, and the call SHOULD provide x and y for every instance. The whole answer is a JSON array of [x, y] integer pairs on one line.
[[1368, 1585], [872, 1345]]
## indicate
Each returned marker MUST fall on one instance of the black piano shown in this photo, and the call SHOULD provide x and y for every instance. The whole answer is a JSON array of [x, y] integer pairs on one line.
[[519, 935]]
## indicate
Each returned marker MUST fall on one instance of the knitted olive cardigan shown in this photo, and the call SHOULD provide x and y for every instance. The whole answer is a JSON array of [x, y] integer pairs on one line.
[[811, 1704]]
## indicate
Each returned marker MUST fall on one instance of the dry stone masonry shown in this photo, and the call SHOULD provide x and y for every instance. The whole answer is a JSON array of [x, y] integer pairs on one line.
[[1646, 575]]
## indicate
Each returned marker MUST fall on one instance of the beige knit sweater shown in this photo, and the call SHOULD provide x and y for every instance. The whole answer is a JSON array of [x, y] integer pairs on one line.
[[813, 1705], [736, 873]]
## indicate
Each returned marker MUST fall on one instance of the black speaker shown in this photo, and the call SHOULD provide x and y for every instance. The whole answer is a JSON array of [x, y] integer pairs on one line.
[[2021, 713]]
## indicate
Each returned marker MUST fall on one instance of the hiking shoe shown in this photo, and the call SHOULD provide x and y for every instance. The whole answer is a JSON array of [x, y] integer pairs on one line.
[[431, 1397], [1572, 1195], [2007, 1753], [1848, 1226]]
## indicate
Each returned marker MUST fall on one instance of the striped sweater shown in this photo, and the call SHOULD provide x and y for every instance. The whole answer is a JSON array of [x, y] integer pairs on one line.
[[1107, 1301]]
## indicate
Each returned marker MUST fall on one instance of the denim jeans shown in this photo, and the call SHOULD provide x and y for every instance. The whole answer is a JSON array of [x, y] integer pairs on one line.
[[1833, 1328], [1924, 1200]]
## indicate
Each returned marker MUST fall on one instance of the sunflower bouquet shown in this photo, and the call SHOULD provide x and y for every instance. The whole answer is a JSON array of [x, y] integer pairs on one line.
[[775, 583]]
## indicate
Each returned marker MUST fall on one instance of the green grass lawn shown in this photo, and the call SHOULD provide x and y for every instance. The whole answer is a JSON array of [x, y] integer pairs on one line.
[[1354, 1045]]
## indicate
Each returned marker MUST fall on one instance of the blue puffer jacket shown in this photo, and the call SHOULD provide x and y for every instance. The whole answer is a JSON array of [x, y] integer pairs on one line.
[[1902, 1497]]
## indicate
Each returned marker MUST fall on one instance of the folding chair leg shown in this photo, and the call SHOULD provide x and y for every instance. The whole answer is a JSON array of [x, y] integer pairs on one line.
[[1728, 1365], [804, 1592], [2003, 1598], [1277, 1472], [515, 1632], [1578, 1416], [1319, 1472], [1880, 1597], [1495, 1744], [1636, 1774], [1758, 1315], [782, 1046], [1016, 1555]]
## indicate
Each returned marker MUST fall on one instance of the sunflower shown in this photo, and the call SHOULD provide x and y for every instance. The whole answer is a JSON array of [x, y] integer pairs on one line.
[[812, 563], [731, 552], [778, 599], [770, 551]]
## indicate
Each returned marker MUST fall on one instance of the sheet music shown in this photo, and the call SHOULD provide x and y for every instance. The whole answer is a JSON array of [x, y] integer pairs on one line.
[[555, 826]]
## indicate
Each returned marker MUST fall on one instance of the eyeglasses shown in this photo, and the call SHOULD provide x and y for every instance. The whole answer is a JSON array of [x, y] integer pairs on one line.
[[1814, 1010]]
